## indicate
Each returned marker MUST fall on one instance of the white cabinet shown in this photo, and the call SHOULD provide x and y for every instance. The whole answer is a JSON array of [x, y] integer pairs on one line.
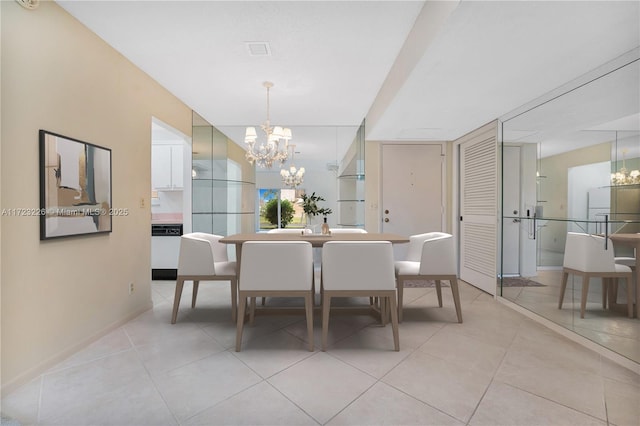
[[167, 166]]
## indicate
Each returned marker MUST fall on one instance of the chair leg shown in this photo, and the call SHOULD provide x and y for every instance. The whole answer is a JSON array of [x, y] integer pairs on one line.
[[326, 305], [400, 287], [383, 310], [456, 298], [234, 300], [629, 296], [585, 292], [176, 299], [240, 322], [252, 310], [605, 291], [439, 292], [194, 293], [308, 307], [563, 287], [613, 293], [264, 299], [394, 322]]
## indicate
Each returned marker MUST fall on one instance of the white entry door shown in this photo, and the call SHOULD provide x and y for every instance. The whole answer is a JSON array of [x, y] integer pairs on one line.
[[412, 190]]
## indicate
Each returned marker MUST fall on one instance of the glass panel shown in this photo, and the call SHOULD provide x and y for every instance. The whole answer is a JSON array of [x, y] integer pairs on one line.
[[223, 190], [327, 153], [579, 151]]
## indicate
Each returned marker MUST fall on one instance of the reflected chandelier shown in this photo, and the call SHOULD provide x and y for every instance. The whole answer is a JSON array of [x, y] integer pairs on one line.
[[292, 177], [275, 148], [624, 177]]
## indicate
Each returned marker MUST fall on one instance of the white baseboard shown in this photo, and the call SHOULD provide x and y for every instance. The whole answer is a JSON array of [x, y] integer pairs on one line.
[[41, 368]]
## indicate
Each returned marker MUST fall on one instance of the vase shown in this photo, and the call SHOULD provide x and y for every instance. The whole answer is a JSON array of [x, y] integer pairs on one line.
[[310, 226]]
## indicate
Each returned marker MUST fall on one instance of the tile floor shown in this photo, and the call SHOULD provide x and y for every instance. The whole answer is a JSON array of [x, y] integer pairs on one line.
[[610, 328], [497, 368]]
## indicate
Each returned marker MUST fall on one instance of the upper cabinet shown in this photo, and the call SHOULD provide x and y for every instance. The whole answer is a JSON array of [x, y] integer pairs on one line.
[[167, 167]]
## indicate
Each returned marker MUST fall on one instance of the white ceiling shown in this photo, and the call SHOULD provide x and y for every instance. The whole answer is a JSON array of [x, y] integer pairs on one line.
[[416, 70]]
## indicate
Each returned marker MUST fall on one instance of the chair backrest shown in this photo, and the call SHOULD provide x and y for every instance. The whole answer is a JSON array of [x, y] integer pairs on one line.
[[199, 252], [586, 253], [276, 265], [416, 242], [438, 255], [347, 231], [288, 231], [357, 265]]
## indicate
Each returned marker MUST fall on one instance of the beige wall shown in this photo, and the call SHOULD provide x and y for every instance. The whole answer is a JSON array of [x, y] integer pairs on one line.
[[554, 189], [58, 295]]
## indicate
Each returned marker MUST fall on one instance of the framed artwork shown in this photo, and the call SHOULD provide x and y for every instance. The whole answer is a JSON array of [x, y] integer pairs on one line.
[[75, 187]]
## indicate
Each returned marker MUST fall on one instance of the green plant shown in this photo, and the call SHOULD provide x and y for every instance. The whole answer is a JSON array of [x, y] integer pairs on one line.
[[271, 212], [310, 205]]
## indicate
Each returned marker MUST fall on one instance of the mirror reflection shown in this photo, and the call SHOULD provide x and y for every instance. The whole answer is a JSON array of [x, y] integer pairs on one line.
[[571, 166]]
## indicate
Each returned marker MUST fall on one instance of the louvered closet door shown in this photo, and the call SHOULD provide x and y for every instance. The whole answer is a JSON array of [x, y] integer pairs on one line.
[[479, 207]]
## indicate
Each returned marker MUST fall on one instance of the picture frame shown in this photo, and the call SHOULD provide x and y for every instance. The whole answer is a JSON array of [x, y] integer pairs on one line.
[[75, 187]]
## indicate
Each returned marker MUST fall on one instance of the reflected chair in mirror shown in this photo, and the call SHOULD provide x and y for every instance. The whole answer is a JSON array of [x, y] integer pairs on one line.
[[203, 258], [430, 256], [275, 269], [289, 231], [585, 255], [631, 263], [347, 231], [359, 269]]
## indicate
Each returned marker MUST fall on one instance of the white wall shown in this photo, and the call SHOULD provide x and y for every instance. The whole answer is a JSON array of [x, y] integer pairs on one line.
[[59, 295]]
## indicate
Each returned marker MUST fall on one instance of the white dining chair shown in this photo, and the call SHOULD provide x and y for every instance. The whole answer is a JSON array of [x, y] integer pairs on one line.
[[203, 258], [430, 256], [585, 255], [359, 269], [288, 231], [347, 231], [275, 269], [631, 263]]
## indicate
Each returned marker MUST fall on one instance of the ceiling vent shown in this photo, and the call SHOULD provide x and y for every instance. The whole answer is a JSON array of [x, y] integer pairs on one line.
[[258, 48]]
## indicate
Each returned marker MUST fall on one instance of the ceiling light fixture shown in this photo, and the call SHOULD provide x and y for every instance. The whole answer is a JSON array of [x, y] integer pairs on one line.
[[292, 177], [275, 148], [29, 4], [624, 176]]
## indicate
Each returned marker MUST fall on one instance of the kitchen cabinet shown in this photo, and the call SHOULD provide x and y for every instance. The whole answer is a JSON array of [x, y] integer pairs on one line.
[[167, 167]]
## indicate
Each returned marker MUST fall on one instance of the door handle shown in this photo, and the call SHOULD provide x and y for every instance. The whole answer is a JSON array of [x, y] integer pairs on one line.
[[516, 220], [386, 219]]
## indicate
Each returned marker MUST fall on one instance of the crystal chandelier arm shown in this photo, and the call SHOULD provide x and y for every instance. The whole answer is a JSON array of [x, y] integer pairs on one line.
[[264, 154]]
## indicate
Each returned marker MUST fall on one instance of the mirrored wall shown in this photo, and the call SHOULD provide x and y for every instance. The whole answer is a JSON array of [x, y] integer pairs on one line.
[[333, 159], [571, 163], [223, 183]]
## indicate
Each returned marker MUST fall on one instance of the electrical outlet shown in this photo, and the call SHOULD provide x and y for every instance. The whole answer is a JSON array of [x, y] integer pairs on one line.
[[142, 203], [130, 288]]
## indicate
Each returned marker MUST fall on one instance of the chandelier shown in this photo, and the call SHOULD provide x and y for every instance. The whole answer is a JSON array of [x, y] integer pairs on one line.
[[292, 177], [275, 148], [624, 176]]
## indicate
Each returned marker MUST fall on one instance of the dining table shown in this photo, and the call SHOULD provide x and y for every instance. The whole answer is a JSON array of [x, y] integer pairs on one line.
[[316, 240], [631, 240]]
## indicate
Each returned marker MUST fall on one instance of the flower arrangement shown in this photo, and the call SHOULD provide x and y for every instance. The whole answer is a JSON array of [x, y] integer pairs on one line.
[[310, 205]]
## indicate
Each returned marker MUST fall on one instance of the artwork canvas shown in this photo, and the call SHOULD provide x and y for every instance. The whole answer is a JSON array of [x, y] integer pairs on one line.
[[75, 187]]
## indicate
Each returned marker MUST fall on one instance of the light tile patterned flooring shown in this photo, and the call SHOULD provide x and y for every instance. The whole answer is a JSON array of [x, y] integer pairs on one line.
[[609, 328], [497, 368]]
